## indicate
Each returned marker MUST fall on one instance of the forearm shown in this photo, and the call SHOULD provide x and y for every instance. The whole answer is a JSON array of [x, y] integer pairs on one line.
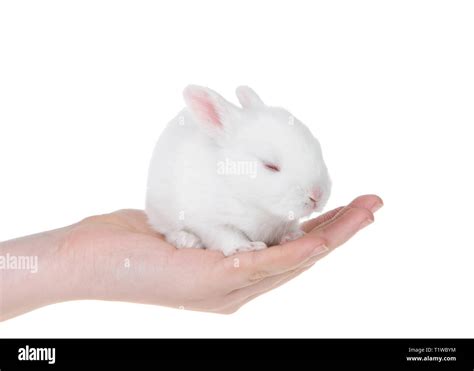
[[33, 273]]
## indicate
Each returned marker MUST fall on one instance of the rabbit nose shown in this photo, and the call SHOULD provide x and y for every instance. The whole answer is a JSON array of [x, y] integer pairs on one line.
[[314, 196]]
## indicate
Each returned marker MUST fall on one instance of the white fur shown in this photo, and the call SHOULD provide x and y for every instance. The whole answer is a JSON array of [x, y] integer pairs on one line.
[[195, 201]]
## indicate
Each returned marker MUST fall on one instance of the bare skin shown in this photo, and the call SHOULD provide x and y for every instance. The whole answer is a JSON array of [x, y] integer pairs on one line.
[[118, 257]]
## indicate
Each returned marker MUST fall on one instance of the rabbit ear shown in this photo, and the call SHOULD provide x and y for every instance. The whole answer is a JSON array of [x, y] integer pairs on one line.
[[248, 98], [209, 108]]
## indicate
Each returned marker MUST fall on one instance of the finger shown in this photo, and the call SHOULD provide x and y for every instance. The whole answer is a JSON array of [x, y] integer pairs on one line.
[[270, 282], [245, 269], [313, 223], [369, 202], [242, 296], [326, 238], [248, 268], [342, 228]]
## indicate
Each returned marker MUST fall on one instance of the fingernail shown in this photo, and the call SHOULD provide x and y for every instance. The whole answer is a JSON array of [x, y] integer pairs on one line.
[[321, 249], [375, 207], [365, 223]]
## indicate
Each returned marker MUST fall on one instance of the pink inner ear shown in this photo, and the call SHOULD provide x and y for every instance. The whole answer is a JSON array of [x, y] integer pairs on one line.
[[207, 109]]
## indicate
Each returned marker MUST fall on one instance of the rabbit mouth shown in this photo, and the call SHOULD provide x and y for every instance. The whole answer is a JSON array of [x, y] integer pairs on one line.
[[312, 206]]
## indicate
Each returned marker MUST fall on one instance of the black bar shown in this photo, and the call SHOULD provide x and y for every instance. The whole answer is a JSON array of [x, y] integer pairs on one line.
[[453, 353]]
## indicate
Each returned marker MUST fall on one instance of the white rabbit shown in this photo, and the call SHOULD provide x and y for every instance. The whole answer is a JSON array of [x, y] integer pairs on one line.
[[234, 179]]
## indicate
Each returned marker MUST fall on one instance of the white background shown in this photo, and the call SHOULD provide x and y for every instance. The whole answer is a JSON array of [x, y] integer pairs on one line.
[[387, 87]]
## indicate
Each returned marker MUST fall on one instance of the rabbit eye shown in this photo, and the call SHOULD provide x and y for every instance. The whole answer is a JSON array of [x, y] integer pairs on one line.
[[271, 167]]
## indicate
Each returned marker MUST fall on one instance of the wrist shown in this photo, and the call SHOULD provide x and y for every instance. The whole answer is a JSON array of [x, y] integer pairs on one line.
[[34, 272], [94, 266]]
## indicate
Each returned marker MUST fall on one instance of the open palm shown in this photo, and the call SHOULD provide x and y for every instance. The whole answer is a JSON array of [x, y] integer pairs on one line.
[[119, 257]]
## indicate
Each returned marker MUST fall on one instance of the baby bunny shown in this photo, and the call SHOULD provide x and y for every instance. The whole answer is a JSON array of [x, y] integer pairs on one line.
[[234, 179]]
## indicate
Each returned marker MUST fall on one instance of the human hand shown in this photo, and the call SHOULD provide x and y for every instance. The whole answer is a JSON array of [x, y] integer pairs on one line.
[[119, 257]]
